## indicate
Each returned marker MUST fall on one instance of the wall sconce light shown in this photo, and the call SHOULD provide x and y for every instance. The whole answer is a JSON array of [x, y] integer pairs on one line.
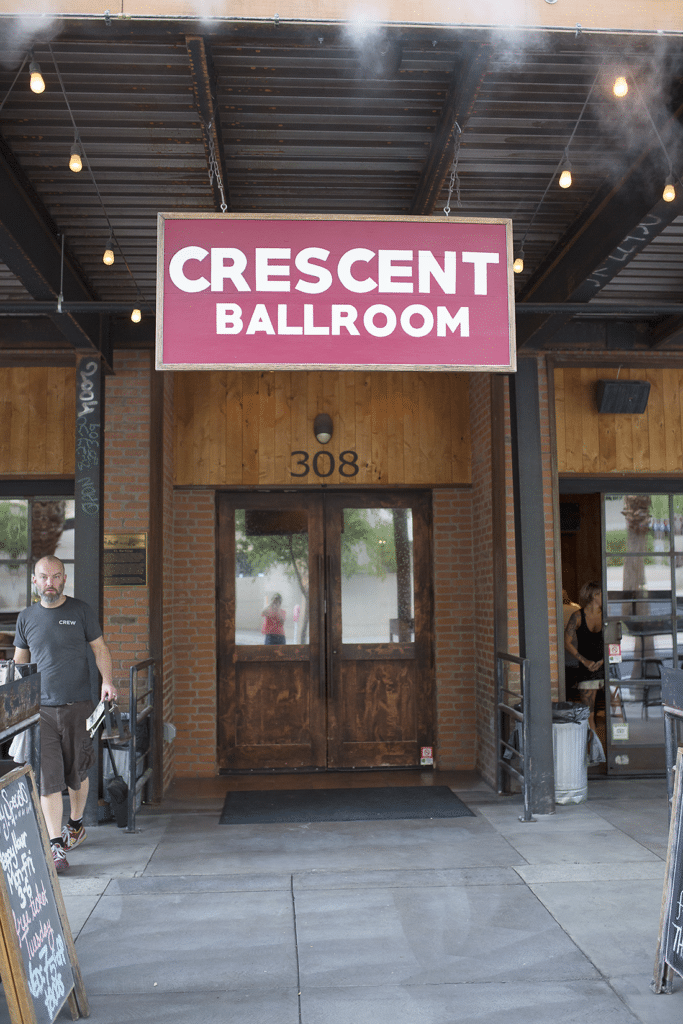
[[323, 427]]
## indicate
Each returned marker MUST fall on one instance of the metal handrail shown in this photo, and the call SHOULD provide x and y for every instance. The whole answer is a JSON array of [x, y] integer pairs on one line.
[[140, 707], [138, 715], [504, 709]]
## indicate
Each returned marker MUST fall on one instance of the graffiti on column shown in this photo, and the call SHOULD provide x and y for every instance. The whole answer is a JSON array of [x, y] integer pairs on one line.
[[88, 437]]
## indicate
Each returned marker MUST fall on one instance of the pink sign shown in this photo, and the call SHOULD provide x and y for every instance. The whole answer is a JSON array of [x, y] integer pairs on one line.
[[276, 292]]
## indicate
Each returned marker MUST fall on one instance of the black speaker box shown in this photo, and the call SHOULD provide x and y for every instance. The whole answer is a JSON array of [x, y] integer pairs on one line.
[[622, 396]]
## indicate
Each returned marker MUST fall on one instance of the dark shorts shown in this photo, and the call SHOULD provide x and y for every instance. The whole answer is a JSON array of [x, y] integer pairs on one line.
[[274, 639], [66, 751]]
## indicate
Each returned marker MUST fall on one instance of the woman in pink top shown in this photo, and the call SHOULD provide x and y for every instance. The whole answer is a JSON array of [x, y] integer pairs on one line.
[[274, 621]]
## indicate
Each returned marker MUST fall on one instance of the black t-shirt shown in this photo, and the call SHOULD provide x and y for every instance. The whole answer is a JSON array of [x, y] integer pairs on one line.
[[59, 641]]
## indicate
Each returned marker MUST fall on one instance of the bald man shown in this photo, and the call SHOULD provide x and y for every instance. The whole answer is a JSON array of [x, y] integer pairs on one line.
[[58, 633]]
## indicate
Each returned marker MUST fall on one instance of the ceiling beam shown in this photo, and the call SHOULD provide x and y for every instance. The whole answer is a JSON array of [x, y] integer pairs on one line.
[[619, 222], [31, 250], [205, 93], [462, 93]]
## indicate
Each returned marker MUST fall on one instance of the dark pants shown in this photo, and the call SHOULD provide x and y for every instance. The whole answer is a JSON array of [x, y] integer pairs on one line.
[[274, 638]]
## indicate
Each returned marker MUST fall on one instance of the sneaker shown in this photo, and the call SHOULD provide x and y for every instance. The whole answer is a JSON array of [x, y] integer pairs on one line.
[[73, 837], [59, 858]]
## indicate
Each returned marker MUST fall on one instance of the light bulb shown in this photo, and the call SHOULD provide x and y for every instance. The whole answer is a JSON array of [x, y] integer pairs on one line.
[[136, 316], [37, 82], [108, 257], [518, 265], [565, 178], [669, 193], [75, 162], [620, 87]]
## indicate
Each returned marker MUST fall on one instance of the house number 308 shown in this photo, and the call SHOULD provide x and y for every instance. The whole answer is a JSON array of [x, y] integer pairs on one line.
[[323, 463]]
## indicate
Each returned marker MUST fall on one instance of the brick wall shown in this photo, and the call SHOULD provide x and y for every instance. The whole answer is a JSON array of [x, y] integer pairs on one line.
[[482, 558], [168, 676], [454, 629], [194, 632], [126, 504], [547, 454]]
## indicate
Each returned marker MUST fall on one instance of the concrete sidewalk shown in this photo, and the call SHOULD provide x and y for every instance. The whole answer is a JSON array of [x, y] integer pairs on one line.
[[483, 920]]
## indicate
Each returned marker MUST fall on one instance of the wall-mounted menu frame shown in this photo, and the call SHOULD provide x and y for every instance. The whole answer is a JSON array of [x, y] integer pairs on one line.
[[38, 962]]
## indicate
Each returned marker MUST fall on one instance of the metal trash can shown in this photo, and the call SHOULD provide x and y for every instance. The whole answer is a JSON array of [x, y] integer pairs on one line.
[[570, 741]]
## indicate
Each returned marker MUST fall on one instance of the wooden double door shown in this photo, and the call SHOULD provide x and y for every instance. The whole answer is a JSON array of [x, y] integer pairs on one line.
[[325, 630]]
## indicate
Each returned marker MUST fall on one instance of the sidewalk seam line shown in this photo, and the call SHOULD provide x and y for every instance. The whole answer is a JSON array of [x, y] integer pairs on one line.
[[296, 946]]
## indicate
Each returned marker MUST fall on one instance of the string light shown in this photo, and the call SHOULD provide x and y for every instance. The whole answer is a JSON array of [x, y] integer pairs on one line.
[[108, 256], [565, 172], [518, 265], [136, 316], [37, 82], [620, 87], [75, 159], [669, 193]]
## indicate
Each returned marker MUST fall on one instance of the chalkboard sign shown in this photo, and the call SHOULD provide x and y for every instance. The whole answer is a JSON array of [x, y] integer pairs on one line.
[[38, 961], [670, 943]]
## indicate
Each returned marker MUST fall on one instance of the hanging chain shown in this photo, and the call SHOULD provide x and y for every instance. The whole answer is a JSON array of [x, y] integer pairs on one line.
[[454, 180], [215, 168]]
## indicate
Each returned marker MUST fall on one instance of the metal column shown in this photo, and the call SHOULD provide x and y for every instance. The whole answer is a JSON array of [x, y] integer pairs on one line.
[[532, 588], [88, 514]]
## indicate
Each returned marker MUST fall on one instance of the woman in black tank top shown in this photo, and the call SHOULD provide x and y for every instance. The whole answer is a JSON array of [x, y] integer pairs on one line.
[[583, 639]]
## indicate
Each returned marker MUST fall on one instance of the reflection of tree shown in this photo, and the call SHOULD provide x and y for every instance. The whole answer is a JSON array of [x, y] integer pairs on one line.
[[371, 545], [263, 552], [636, 512], [13, 529]]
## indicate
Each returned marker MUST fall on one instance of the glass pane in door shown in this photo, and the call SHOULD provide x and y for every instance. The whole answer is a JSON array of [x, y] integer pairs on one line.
[[271, 577], [639, 563], [377, 589]]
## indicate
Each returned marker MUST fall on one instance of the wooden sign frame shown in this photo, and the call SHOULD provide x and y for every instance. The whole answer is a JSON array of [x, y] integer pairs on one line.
[[673, 884], [15, 982]]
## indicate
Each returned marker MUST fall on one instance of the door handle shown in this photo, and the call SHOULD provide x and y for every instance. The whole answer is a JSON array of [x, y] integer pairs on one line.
[[330, 652], [321, 629]]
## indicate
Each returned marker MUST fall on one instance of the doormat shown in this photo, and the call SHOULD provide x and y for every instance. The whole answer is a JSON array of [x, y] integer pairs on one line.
[[375, 804]]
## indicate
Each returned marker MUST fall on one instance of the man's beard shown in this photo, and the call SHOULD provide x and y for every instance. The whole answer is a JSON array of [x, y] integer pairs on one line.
[[53, 597]]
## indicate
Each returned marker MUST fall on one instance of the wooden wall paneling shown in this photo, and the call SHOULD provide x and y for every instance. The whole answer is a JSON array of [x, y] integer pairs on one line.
[[69, 420], [184, 427], [380, 429], [314, 405], [302, 434], [250, 422], [623, 430], [216, 392], [55, 412], [36, 461], [6, 432], [673, 438], [590, 422], [347, 415], [364, 426], [655, 420], [607, 423], [411, 433], [233, 428], [202, 417], [266, 431], [574, 409], [331, 397], [427, 421], [395, 428], [641, 437], [19, 427], [443, 429], [283, 427], [461, 471], [558, 378]]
